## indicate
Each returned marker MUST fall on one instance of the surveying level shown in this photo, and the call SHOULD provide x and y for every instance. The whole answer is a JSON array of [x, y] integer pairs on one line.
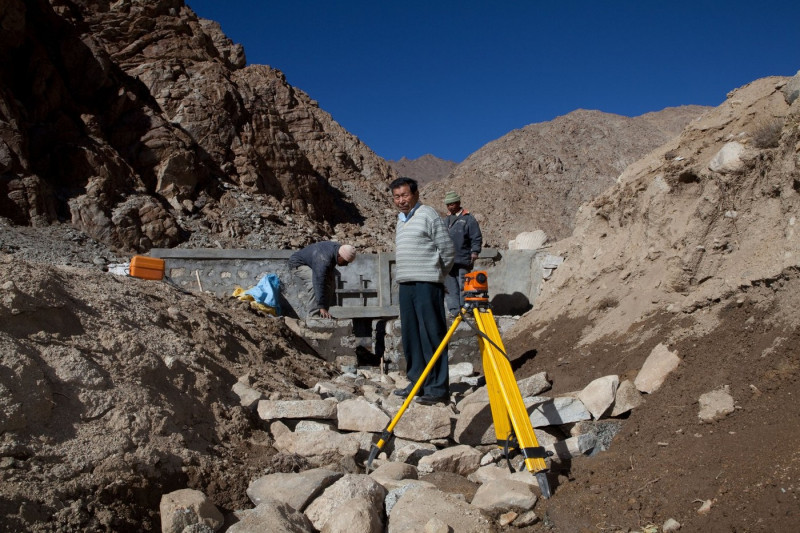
[[512, 424], [476, 289]]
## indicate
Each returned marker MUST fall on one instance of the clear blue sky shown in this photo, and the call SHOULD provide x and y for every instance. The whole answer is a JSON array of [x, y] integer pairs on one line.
[[446, 77]]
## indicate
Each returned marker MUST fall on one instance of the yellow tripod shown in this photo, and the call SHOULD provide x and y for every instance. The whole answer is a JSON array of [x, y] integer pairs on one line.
[[512, 424]]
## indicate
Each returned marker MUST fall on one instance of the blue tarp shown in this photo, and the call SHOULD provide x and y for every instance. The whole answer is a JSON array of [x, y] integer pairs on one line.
[[267, 292]]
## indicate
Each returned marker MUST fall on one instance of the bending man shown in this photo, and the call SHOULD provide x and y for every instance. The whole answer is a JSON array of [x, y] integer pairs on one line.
[[313, 269]]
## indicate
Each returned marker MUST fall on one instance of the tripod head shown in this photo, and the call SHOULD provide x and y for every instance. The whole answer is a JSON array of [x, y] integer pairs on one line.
[[476, 289]]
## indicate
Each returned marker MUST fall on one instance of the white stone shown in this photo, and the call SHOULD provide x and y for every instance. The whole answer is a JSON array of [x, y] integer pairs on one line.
[[525, 519], [598, 396], [504, 494], [530, 386], [656, 368], [488, 473], [716, 405], [271, 515], [187, 507], [350, 486], [278, 428], [317, 446], [627, 398], [357, 515], [338, 391], [360, 415], [412, 452], [462, 460], [248, 396], [573, 446], [528, 240], [534, 385], [728, 159], [475, 425], [557, 411], [791, 91], [392, 475], [397, 492], [297, 409], [436, 525], [297, 490], [418, 505], [424, 423], [460, 370], [314, 425]]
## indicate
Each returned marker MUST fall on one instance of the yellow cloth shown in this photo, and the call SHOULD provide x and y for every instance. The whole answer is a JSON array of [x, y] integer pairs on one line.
[[239, 293]]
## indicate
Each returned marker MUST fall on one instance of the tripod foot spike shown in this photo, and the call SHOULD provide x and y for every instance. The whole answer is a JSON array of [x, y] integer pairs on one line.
[[544, 485]]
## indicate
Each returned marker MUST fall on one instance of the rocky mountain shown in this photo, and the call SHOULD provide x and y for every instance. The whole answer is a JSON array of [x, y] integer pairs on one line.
[[140, 124], [425, 169], [535, 178]]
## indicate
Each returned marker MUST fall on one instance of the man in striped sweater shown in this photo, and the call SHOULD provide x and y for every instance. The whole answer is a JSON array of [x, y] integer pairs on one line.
[[424, 254]]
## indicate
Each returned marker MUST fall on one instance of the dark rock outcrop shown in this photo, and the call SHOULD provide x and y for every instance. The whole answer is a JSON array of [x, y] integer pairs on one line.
[[140, 124]]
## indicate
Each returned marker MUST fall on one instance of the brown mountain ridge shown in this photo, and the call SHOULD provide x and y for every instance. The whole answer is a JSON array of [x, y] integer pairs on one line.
[[537, 177]]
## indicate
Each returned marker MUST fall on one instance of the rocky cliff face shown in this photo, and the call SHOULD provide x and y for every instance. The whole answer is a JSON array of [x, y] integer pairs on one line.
[[536, 177], [141, 125]]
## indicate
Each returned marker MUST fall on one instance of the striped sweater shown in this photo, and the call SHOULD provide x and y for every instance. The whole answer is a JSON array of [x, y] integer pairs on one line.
[[423, 248]]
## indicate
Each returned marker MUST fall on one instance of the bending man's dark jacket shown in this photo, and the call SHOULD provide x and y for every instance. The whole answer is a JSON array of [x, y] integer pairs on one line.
[[466, 236], [320, 257]]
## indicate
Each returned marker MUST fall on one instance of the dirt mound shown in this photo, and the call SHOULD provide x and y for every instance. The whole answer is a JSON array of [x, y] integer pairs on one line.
[[116, 390], [706, 262], [665, 463]]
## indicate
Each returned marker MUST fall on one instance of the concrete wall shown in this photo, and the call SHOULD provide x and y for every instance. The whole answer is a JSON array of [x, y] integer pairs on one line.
[[366, 329]]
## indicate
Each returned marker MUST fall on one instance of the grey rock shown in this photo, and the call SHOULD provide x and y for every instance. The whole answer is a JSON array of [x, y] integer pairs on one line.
[[322, 509], [501, 495], [296, 490], [791, 90], [186, 507], [417, 505], [272, 515], [282, 409]]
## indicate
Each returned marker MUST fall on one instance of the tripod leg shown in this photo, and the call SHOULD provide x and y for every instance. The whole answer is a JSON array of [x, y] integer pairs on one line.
[[506, 392], [388, 432], [500, 418]]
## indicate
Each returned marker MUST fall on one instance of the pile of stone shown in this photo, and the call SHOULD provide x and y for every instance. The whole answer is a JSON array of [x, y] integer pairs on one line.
[[334, 425]]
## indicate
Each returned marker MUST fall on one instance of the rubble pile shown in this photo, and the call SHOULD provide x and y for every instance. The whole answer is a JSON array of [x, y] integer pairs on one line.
[[334, 425]]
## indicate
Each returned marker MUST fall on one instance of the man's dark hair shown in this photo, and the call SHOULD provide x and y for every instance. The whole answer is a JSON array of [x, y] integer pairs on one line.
[[399, 182]]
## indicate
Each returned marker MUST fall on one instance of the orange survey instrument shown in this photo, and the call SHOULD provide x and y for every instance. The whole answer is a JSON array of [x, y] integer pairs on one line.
[[147, 267]]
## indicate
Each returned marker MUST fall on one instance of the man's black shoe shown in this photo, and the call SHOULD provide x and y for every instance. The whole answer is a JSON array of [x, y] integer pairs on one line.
[[403, 393], [427, 399]]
